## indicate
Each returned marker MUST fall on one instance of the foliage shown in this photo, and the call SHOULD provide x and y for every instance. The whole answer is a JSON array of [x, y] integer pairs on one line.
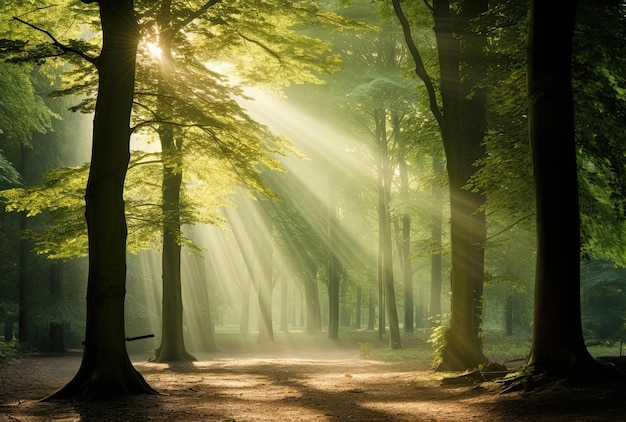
[[506, 175], [599, 87], [199, 101], [603, 300], [438, 338], [9, 353], [22, 113]]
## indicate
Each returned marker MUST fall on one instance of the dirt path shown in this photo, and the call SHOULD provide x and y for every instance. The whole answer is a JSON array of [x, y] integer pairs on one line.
[[275, 385]]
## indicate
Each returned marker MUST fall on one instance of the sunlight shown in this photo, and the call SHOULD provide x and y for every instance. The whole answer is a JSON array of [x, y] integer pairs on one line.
[[221, 281], [154, 50], [224, 69]]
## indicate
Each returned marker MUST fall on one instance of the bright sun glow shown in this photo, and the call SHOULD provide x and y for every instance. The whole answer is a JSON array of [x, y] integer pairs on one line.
[[154, 50]]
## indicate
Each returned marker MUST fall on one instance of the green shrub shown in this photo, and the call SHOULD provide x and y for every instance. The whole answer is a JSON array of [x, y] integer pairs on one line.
[[9, 352]]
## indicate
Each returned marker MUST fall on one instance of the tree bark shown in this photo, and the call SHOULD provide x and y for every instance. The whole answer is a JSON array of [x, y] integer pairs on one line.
[[172, 348], [385, 232], [558, 346], [106, 369], [463, 349], [434, 309], [467, 230]]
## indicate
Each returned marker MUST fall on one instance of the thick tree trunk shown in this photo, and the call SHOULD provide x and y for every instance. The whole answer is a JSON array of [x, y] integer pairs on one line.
[[172, 348], [558, 347], [463, 349], [106, 369]]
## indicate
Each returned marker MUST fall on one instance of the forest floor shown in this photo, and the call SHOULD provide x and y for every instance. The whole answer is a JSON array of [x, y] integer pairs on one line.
[[312, 379]]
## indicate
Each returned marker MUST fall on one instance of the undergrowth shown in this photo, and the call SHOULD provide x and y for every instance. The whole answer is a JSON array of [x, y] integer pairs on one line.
[[9, 352], [419, 347]]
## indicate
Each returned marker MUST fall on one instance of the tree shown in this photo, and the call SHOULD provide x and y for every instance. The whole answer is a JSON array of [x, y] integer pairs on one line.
[[461, 119], [191, 98], [23, 114], [106, 369], [558, 346], [253, 231], [374, 99]]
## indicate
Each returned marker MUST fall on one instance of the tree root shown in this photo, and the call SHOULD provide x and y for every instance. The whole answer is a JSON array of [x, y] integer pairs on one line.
[[485, 373], [530, 378]]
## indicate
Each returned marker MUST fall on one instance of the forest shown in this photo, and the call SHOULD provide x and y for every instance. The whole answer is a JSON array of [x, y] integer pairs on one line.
[[436, 185]]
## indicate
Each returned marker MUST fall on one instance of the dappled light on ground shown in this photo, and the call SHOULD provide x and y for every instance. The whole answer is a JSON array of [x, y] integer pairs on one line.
[[314, 380]]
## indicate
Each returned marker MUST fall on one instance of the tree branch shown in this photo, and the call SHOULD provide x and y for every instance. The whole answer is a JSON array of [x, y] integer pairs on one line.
[[511, 226], [57, 43], [194, 15], [420, 70]]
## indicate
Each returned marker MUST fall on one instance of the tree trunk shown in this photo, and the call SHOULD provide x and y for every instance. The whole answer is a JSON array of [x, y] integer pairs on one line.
[[200, 320], [106, 369], [313, 313], [23, 304], [371, 309], [253, 234], [508, 316], [434, 311], [172, 348], [244, 314], [8, 330], [56, 343], [24, 288], [385, 231], [334, 267], [463, 349], [558, 346], [407, 268], [284, 305], [334, 279], [265, 272], [359, 299]]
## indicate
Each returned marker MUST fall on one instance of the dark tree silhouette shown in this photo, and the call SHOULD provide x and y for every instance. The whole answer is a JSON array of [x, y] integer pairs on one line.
[[558, 344], [106, 369]]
